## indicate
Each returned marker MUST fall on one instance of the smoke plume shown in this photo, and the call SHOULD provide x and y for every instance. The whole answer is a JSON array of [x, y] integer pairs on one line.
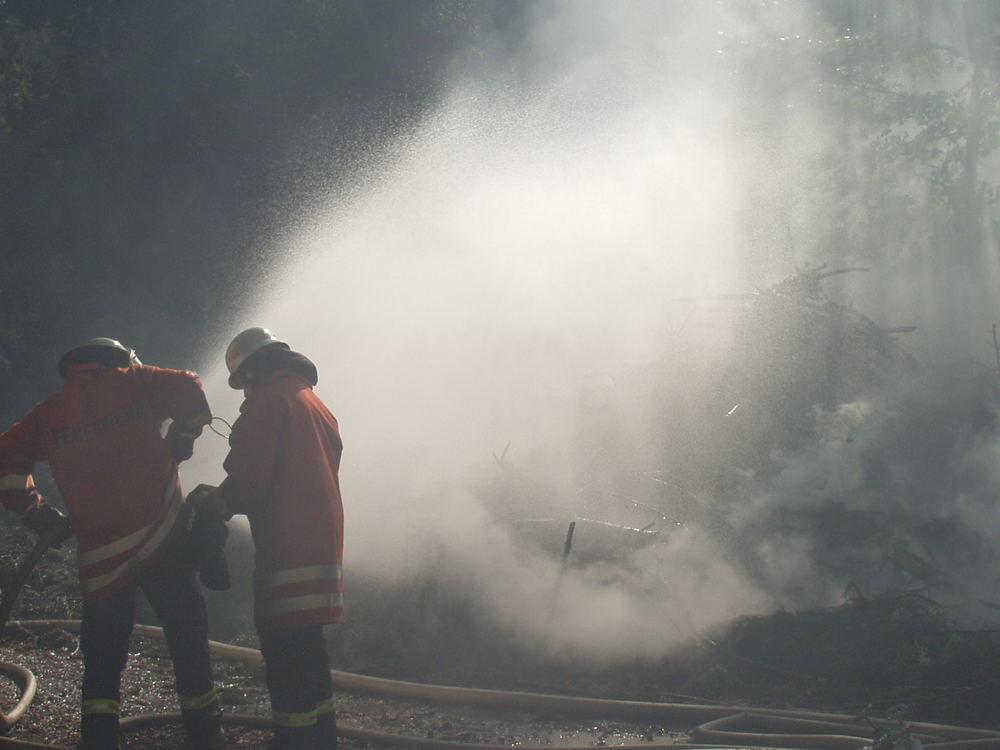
[[554, 301]]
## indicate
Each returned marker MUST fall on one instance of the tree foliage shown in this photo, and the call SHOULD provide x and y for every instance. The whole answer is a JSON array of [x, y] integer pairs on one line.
[[903, 103]]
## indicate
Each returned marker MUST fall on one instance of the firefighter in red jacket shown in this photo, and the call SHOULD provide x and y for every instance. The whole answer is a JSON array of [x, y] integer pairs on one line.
[[282, 472], [101, 436]]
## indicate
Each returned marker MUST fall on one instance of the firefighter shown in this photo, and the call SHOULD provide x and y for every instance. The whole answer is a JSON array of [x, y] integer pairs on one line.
[[282, 473], [101, 436]]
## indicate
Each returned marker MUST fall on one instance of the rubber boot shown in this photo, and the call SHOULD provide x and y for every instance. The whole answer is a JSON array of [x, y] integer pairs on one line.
[[294, 738], [203, 729], [326, 731], [98, 732]]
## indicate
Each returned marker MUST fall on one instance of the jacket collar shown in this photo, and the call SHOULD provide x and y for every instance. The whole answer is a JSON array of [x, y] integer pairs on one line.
[[274, 376], [88, 371]]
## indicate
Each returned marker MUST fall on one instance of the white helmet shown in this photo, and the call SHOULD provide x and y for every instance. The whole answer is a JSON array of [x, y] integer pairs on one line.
[[242, 346], [101, 350]]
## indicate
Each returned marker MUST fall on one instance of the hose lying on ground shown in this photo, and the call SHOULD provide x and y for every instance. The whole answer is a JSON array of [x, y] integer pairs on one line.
[[22, 677], [25, 682], [719, 726]]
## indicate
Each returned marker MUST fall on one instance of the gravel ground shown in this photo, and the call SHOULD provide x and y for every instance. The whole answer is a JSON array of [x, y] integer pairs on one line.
[[54, 657], [871, 654]]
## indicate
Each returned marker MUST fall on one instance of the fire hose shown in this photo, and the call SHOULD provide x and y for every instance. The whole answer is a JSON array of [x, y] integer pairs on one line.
[[715, 726]]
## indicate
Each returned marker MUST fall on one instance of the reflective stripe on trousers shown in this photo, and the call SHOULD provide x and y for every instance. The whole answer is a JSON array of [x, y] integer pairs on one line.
[[294, 720], [196, 702], [100, 706], [298, 675]]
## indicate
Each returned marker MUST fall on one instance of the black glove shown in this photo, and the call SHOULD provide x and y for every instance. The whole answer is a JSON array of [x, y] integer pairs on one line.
[[44, 519], [181, 447], [205, 541], [20, 500]]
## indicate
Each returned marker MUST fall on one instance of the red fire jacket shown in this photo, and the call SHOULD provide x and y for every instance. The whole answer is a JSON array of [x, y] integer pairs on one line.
[[101, 437], [282, 472]]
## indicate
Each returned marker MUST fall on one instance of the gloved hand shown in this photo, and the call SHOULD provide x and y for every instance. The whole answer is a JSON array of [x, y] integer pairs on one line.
[[20, 500], [205, 541], [43, 518], [206, 497], [181, 446]]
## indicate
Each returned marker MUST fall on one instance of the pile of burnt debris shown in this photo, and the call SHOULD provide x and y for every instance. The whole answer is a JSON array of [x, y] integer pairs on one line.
[[873, 653]]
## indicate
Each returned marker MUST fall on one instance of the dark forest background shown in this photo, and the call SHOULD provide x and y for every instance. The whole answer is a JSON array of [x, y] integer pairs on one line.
[[150, 151]]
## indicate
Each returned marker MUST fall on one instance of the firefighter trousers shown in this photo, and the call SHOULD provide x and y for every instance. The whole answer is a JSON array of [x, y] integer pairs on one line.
[[298, 681], [173, 592]]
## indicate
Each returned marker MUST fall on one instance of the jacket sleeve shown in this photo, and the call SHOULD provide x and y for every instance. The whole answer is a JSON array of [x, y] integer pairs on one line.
[[254, 451], [20, 448], [178, 395]]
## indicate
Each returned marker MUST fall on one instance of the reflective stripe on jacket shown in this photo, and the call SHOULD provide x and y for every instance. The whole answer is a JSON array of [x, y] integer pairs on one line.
[[106, 567], [313, 592], [101, 437], [282, 472]]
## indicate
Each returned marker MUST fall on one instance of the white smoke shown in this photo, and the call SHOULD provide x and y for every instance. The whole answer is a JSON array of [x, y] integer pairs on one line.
[[518, 283]]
